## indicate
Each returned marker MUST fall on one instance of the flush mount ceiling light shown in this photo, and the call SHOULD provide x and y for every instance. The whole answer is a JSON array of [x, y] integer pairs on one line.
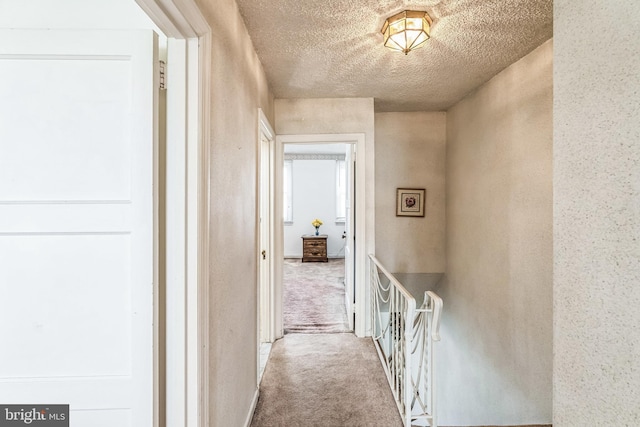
[[406, 30]]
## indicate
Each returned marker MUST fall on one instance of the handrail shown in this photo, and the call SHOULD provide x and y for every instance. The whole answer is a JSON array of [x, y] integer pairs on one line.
[[437, 313], [404, 337]]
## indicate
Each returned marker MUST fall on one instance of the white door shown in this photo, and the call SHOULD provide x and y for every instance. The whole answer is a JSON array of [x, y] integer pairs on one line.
[[265, 292], [349, 249], [77, 222]]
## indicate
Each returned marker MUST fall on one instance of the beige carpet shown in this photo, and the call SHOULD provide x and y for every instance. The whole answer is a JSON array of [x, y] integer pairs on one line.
[[328, 380], [314, 297]]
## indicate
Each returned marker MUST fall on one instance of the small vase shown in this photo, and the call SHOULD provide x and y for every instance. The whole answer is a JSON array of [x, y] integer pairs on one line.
[[317, 231]]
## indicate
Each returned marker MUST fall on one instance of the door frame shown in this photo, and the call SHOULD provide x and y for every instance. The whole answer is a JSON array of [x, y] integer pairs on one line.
[[187, 210], [364, 231], [265, 266], [265, 316]]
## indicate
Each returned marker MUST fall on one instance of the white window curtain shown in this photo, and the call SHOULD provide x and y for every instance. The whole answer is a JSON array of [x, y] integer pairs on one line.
[[341, 191], [287, 179]]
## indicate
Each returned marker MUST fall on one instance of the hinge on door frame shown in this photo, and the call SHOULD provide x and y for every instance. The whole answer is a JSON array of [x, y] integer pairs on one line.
[[162, 69]]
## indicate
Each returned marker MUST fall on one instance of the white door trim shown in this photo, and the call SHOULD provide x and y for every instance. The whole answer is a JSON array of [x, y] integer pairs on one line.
[[363, 230], [187, 249], [265, 126], [265, 132]]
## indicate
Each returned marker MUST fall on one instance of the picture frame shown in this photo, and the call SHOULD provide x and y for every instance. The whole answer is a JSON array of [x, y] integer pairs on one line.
[[410, 201]]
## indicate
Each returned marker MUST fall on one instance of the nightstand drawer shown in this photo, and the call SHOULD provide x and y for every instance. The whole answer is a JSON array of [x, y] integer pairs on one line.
[[315, 243]]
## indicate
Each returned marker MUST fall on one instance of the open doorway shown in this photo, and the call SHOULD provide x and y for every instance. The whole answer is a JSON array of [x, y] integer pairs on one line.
[[318, 266], [361, 239]]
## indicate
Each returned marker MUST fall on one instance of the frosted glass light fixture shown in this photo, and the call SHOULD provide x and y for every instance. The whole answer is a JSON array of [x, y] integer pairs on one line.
[[406, 30]]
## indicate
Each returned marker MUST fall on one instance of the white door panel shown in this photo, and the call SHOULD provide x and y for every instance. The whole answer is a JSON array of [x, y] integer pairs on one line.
[[56, 115], [77, 222]]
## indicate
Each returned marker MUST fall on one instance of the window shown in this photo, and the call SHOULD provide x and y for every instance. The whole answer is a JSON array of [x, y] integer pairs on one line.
[[287, 199], [341, 191]]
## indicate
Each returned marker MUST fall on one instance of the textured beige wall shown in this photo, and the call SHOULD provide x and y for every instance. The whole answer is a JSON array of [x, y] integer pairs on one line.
[[596, 214], [238, 88], [333, 116], [496, 350], [324, 115], [410, 153]]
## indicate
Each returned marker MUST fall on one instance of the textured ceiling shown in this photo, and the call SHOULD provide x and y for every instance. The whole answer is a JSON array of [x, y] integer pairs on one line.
[[333, 48]]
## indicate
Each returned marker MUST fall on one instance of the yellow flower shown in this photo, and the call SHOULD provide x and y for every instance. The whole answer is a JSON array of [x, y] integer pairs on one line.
[[316, 223]]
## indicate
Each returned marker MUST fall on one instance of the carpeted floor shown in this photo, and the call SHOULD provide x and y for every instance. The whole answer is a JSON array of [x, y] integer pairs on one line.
[[314, 297], [328, 380], [317, 375]]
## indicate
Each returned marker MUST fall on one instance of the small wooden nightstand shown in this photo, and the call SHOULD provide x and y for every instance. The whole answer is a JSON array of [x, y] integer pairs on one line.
[[314, 248]]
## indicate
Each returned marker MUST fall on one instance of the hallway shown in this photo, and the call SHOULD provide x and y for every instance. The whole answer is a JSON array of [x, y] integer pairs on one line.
[[319, 374], [130, 202], [324, 380]]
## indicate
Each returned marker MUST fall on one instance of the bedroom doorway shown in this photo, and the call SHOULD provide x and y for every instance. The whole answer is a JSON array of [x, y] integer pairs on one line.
[[318, 263], [355, 235]]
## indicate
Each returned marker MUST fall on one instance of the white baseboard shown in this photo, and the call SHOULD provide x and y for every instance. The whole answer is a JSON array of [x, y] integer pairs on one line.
[[252, 409]]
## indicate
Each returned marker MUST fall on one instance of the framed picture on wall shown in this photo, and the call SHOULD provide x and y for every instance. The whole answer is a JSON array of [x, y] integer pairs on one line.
[[410, 201]]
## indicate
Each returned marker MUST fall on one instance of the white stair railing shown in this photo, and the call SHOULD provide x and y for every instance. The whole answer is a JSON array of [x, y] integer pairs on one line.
[[404, 337]]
